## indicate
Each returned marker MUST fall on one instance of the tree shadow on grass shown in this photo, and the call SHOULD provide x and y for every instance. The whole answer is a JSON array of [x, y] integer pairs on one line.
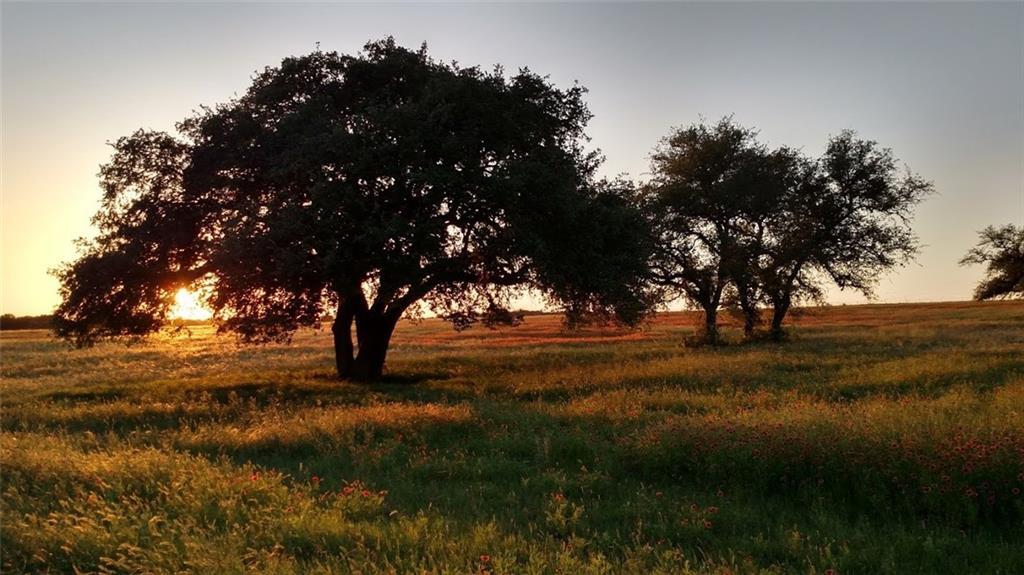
[[981, 380], [149, 415], [84, 396], [410, 377]]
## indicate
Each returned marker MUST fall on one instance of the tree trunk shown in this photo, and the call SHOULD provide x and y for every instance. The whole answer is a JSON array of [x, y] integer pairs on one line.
[[343, 350], [748, 306], [710, 334], [749, 323], [751, 316], [779, 311], [373, 333]]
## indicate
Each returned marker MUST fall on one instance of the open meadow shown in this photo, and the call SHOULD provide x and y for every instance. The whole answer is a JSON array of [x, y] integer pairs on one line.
[[879, 439]]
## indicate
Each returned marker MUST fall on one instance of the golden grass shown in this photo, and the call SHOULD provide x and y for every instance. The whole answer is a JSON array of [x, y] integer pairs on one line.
[[879, 439]]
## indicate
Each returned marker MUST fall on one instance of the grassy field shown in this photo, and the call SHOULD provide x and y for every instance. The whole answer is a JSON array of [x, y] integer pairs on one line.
[[880, 439]]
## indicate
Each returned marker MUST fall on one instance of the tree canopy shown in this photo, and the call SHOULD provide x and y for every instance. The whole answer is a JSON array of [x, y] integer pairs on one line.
[[712, 190], [362, 186], [845, 218], [1002, 251]]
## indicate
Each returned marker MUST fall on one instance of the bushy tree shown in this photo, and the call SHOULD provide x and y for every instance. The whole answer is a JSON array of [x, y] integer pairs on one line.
[[712, 190], [743, 225], [363, 186], [1002, 250], [845, 218], [700, 178]]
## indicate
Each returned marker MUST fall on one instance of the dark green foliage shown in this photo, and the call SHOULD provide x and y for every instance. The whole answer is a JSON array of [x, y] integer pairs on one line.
[[125, 279], [368, 185], [1002, 249]]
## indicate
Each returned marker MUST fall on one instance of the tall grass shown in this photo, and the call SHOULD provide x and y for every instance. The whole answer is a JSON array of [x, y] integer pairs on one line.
[[881, 439]]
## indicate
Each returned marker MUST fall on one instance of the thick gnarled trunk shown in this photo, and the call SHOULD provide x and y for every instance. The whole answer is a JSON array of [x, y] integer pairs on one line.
[[365, 360], [343, 348], [373, 333]]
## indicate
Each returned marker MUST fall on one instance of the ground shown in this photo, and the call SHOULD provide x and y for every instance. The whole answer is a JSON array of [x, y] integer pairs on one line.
[[879, 439]]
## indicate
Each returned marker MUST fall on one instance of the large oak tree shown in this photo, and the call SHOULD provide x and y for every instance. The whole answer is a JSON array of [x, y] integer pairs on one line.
[[363, 186]]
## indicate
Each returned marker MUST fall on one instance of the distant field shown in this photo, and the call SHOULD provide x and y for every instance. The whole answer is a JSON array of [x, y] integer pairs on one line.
[[880, 439]]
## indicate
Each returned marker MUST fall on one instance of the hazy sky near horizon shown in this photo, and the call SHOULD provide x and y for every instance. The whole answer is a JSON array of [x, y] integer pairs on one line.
[[941, 84]]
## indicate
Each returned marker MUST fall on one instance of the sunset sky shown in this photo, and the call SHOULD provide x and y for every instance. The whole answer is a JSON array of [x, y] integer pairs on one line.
[[941, 84]]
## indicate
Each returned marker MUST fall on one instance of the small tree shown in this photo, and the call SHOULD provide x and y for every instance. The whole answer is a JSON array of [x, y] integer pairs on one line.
[[365, 186], [780, 172], [845, 218], [1002, 249], [712, 191], [744, 226]]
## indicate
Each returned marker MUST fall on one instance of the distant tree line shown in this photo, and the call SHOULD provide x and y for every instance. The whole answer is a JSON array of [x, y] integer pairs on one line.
[[9, 321], [367, 187]]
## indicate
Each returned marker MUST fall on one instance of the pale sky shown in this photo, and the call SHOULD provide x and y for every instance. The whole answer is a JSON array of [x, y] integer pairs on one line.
[[941, 84]]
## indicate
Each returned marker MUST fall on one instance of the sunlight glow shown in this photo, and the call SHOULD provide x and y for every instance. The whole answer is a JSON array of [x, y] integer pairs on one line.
[[187, 306]]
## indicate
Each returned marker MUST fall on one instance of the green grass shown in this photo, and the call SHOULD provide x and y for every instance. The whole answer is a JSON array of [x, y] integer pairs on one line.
[[880, 439]]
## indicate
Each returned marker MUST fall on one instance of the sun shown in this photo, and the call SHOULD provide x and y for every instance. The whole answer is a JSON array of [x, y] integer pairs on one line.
[[186, 306]]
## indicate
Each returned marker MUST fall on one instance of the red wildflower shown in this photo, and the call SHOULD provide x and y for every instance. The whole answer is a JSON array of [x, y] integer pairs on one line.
[[485, 558], [366, 493]]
